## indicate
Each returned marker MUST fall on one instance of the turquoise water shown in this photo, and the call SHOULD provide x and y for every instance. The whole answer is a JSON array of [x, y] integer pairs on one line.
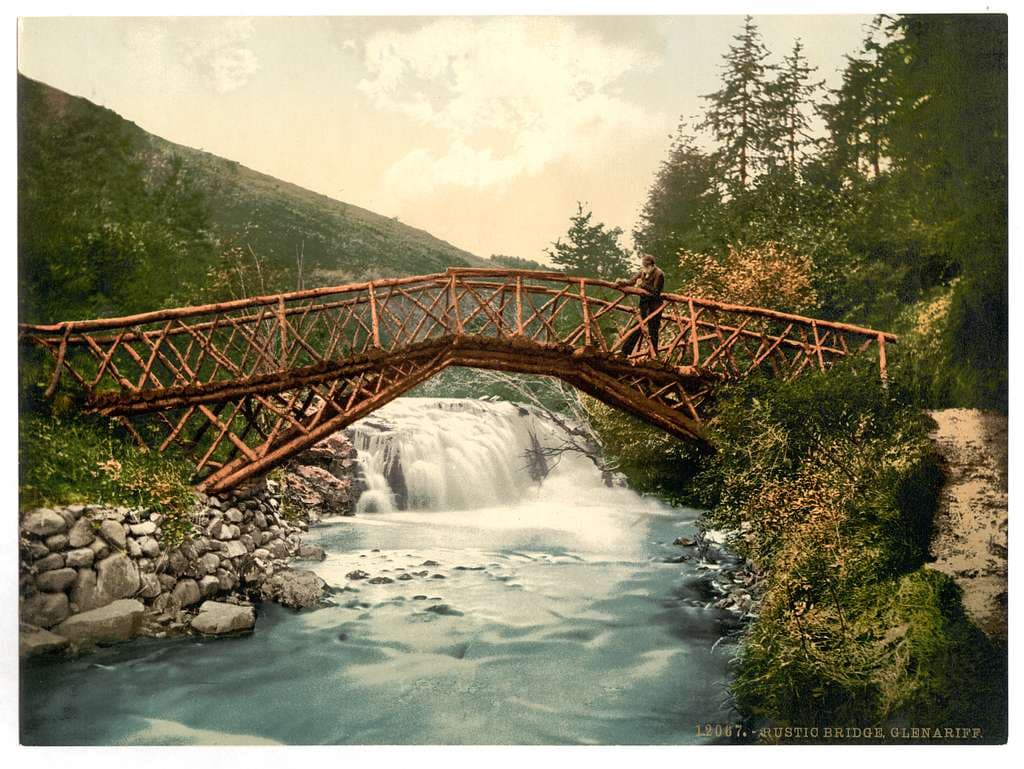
[[553, 619]]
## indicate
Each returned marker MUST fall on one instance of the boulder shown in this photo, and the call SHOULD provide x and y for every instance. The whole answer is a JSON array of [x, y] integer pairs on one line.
[[209, 563], [209, 585], [45, 609], [33, 641], [133, 548], [57, 541], [83, 556], [227, 580], [84, 593], [150, 586], [113, 533], [100, 549], [278, 548], [56, 581], [50, 562], [117, 621], [233, 549], [297, 588], [216, 618], [187, 592], [117, 576], [144, 529], [150, 547], [311, 552], [81, 533], [234, 515], [34, 550], [44, 522]]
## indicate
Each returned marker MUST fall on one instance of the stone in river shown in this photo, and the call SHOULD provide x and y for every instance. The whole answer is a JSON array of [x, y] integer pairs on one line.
[[683, 541], [296, 588], [380, 581], [117, 621], [312, 552], [405, 577], [215, 618], [357, 574], [438, 576], [33, 641], [430, 563], [419, 598]]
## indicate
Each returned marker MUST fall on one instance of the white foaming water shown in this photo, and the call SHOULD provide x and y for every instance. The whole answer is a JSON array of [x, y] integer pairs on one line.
[[455, 454]]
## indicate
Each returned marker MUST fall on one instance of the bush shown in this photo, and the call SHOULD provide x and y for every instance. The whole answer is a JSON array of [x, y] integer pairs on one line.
[[63, 460]]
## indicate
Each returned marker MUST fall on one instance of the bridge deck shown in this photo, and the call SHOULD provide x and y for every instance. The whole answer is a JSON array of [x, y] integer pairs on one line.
[[243, 385]]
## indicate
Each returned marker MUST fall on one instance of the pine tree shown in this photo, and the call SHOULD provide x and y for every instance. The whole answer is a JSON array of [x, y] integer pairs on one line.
[[791, 96], [590, 249], [737, 114]]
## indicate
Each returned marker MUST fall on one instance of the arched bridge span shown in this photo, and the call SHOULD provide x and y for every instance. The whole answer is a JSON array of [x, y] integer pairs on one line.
[[243, 385]]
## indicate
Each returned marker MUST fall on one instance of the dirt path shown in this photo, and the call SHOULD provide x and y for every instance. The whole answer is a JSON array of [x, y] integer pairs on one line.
[[970, 540]]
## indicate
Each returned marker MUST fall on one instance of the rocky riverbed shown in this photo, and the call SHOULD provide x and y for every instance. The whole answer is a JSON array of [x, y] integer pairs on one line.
[[92, 574]]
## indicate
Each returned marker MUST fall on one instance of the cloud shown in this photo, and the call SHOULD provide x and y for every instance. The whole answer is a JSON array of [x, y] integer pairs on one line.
[[224, 55], [512, 96]]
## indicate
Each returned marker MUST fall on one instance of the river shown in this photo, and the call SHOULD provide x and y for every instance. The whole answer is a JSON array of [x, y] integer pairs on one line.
[[517, 613]]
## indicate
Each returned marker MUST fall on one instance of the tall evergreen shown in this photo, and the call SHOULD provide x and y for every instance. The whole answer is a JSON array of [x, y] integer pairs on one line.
[[590, 249], [737, 114], [791, 99]]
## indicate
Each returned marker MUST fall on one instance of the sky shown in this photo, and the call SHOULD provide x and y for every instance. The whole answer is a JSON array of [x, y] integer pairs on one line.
[[484, 131]]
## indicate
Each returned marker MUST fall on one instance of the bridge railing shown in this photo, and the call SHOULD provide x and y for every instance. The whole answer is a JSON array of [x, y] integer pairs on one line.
[[263, 336]]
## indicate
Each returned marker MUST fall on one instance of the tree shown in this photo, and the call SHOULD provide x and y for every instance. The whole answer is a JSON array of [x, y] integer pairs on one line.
[[790, 97], [680, 206], [590, 249], [737, 113]]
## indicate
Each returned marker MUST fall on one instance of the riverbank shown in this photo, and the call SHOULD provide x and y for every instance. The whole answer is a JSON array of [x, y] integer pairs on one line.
[[94, 574]]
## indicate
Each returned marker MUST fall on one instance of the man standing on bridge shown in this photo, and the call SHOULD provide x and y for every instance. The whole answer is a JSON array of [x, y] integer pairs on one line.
[[650, 280]]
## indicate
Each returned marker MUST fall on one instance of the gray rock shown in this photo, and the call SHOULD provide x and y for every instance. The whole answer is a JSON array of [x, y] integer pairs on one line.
[[150, 547], [167, 581], [202, 545], [79, 558], [187, 592], [259, 520], [227, 580], [209, 563], [67, 514], [177, 563], [297, 588], [33, 641], [56, 581], [166, 602], [209, 585], [50, 562], [81, 533], [278, 548], [234, 515], [113, 533], [144, 529], [216, 618], [117, 576], [57, 541], [234, 549], [36, 550], [311, 552], [133, 548], [84, 593], [247, 542], [44, 522], [45, 609], [118, 621], [150, 586], [99, 548]]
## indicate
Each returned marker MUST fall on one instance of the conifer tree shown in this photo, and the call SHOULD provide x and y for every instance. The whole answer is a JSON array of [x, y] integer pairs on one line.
[[737, 113], [590, 249], [791, 97]]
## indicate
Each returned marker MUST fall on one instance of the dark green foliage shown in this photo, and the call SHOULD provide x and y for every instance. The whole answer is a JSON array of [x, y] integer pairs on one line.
[[832, 483], [516, 262], [590, 249]]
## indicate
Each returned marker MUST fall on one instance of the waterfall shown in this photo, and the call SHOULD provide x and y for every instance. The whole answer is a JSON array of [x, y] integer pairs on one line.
[[450, 454]]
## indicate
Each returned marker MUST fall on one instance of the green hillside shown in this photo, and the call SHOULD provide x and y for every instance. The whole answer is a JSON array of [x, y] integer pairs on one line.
[[114, 219]]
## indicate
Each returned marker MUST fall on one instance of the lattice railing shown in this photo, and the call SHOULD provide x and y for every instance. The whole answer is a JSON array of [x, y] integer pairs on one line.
[[241, 384]]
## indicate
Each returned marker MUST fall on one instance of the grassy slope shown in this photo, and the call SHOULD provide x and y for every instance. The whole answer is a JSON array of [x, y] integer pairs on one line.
[[341, 241]]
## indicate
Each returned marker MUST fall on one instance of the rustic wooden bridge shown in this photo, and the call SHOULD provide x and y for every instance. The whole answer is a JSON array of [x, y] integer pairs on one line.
[[243, 385]]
